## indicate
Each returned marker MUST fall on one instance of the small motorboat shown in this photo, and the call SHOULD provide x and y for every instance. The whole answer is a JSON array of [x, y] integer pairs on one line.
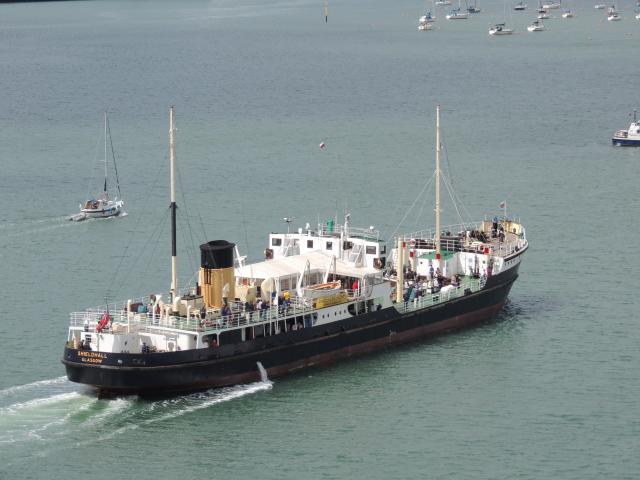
[[520, 6], [630, 137], [551, 6], [425, 26], [568, 14], [500, 29], [443, 2], [536, 26], [600, 6]]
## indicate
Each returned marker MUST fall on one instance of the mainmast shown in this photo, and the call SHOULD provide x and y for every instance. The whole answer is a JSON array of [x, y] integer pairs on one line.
[[172, 161], [105, 153], [438, 183]]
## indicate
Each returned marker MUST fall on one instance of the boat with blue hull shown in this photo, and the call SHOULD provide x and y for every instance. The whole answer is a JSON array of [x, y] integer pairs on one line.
[[629, 137], [322, 294]]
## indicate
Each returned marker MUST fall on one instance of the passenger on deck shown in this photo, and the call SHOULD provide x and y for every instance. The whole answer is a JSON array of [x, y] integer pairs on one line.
[[286, 302], [225, 312], [248, 307], [213, 343], [145, 348], [81, 345]]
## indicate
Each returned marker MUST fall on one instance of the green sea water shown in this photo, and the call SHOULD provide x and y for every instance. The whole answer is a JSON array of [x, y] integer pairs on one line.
[[550, 389]]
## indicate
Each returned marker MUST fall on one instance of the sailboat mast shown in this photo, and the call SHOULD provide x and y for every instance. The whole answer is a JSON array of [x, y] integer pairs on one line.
[[105, 153], [438, 183], [172, 161]]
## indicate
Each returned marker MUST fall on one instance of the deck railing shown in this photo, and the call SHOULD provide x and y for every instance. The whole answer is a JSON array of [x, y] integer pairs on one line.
[[468, 285], [122, 320]]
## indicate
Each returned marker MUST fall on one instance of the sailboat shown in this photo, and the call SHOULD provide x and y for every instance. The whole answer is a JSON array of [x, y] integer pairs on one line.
[[520, 6], [501, 28], [536, 26], [103, 204], [612, 14], [426, 18], [473, 8], [457, 14], [551, 5]]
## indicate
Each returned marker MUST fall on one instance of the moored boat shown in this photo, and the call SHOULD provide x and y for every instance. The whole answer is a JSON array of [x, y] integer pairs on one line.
[[536, 26], [568, 14], [520, 6], [629, 137], [500, 29], [425, 26], [240, 319], [612, 14]]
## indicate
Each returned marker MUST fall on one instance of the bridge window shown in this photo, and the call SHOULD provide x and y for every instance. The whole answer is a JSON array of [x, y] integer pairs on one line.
[[276, 242], [371, 250], [329, 245], [309, 243]]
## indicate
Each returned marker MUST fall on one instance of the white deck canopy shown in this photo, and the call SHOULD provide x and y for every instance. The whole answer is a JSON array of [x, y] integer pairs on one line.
[[294, 265]]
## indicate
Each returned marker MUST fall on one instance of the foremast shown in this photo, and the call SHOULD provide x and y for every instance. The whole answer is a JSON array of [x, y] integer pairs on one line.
[[437, 209], [173, 207], [105, 155]]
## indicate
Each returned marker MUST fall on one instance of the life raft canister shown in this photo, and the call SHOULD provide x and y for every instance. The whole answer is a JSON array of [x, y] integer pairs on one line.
[[103, 322]]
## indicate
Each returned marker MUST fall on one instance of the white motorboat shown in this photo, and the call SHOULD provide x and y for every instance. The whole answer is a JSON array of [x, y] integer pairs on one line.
[[443, 2], [568, 14], [613, 17], [103, 205], [536, 26], [630, 137], [638, 16], [500, 29], [425, 26], [551, 6], [600, 6], [520, 6]]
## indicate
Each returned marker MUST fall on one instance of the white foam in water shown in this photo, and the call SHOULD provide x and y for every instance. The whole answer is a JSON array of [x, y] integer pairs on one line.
[[263, 372], [204, 400], [38, 402], [34, 385]]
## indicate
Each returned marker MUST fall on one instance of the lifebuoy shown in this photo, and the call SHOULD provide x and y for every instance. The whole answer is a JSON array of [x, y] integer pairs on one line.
[[412, 243], [103, 322]]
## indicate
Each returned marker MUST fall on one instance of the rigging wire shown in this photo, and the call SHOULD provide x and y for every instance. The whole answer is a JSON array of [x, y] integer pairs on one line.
[[113, 155], [411, 207], [193, 262], [133, 234]]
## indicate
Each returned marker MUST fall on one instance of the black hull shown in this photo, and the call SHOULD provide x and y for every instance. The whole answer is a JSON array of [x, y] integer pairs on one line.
[[281, 354]]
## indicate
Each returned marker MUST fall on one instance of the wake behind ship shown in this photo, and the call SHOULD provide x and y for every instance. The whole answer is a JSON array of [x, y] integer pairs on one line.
[[323, 293]]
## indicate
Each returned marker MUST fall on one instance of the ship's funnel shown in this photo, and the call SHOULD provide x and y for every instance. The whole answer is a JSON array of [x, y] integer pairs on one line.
[[216, 272]]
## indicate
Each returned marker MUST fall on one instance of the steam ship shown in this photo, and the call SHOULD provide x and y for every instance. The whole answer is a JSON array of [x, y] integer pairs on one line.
[[323, 293]]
